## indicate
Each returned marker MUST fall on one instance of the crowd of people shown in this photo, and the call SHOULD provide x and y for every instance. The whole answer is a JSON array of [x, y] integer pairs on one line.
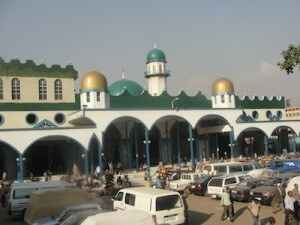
[[288, 202]]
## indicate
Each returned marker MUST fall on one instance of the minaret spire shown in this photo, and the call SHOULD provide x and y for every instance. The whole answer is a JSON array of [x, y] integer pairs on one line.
[[123, 74]]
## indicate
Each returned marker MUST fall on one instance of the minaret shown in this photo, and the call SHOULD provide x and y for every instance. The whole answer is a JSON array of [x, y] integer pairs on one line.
[[156, 72]]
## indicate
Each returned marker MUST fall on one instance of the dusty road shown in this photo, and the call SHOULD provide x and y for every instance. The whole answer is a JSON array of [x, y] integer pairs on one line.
[[202, 210]]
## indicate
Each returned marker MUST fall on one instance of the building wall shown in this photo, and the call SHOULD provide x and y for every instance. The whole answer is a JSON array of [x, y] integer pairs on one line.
[[262, 113], [29, 88], [17, 119], [292, 113]]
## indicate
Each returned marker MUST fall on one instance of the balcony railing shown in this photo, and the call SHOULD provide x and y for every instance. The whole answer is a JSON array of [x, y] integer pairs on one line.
[[166, 73]]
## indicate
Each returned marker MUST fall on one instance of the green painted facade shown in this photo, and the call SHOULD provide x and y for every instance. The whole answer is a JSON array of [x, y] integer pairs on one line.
[[42, 106], [164, 101], [156, 55], [256, 103], [117, 88], [29, 69]]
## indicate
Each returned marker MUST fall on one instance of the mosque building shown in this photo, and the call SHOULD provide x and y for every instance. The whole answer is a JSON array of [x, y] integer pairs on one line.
[[44, 124]]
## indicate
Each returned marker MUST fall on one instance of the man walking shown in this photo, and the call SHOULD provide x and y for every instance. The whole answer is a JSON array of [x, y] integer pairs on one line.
[[296, 195], [226, 203], [289, 205], [254, 208], [276, 201]]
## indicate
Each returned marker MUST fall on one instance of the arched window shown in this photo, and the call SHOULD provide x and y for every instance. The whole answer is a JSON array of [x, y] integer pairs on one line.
[[1, 89], [15, 89], [154, 69], [222, 98], [160, 68], [58, 89], [42, 89]]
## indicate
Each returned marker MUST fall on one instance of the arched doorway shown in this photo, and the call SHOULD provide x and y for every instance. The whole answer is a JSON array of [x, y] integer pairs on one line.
[[283, 140], [213, 139], [252, 141], [57, 154], [8, 161]]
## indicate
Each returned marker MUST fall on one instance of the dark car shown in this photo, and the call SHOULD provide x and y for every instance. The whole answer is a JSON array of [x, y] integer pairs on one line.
[[265, 193], [242, 191], [200, 187]]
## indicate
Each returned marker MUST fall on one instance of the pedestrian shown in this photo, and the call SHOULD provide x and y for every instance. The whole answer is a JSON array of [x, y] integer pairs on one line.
[[289, 205], [292, 220], [226, 204], [296, 195], [283, 190], [232, 204], [254, 209], [276, 201]]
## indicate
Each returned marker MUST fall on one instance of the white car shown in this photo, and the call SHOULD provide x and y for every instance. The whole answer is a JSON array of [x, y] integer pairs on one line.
[[183, 183], [216, 185]]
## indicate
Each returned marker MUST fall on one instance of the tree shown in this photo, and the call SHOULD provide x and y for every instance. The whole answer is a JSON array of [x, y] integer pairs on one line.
[[291, 59]]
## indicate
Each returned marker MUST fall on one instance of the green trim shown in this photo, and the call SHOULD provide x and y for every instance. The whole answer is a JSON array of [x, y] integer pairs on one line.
[[164, 101], [256, 103], [41, 106], [15, 68]]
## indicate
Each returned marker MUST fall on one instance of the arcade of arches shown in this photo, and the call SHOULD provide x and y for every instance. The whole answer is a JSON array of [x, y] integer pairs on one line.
[[171, 140]]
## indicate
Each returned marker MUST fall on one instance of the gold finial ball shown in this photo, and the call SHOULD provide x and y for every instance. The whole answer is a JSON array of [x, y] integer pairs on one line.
[[93, 80], [222, 86]]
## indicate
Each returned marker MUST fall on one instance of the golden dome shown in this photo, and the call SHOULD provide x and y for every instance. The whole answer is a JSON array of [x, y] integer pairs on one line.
[[222, 86], [93, 80]]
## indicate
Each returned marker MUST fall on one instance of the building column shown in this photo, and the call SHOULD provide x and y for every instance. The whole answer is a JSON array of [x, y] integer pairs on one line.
[[21, 168], [266, 145], [178, 145], [92, 160], [100, 161], [147, 152], [136, 149], [294, 144], [231, 136], [86, 163], [217, 145], [191, 139]]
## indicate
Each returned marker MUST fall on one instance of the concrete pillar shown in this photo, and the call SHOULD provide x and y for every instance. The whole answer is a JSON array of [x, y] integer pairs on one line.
[[217, 147], [136, 149], [21, 168], [147, 152], [86, 163], [178, 145], [231, 136], [191, 147], [100, 160], [266, 145]]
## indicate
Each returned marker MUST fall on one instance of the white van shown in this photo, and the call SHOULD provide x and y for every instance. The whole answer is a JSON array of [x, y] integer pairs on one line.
[[227, 168], [166, 207], [216, 185], [20, 192]]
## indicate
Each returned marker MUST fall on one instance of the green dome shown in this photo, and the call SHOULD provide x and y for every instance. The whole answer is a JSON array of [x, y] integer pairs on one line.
[[156, 55], [118, 87]]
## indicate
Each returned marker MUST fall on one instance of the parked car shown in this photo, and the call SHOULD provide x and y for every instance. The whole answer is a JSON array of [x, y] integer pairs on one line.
[[167, 207], [285, 164], [216, 185], [227, 168], [262, 173], [183, 183], [265, 192], [19, 194], [125, 217], [200, 187], [242, 191], [68, 211]]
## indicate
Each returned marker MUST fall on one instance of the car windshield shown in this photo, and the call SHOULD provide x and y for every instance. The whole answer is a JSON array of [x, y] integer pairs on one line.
[[272, 181], [244, 184]]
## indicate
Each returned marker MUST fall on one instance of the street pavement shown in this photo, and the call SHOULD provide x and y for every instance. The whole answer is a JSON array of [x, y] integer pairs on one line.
[[202, 210]]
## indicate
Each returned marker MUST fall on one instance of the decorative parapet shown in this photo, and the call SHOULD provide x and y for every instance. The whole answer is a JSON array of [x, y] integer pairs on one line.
[[256, 103], [30, 69], [163, 101]]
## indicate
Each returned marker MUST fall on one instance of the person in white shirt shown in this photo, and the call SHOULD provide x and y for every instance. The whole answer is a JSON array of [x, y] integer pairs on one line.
[[289, 205]]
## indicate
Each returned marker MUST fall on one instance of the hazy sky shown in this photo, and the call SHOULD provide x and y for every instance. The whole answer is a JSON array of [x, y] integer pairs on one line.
[[202, 40]]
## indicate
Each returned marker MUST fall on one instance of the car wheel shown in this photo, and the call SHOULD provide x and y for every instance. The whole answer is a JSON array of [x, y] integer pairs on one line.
[[23, 213]]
